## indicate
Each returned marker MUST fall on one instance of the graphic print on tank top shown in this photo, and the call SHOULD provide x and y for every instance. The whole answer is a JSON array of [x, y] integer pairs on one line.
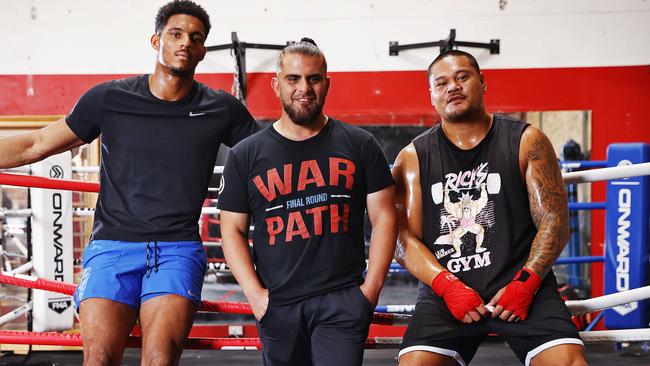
[[476, 216], [465, 217]]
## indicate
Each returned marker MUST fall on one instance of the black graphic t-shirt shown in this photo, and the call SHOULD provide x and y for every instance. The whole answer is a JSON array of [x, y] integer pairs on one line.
[[307, 199], [476, 216], [157, 157]]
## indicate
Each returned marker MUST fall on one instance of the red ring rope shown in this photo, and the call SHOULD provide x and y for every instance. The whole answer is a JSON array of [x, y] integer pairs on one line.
[[74, 340], [38, 283], [209, 306], [68, 289], [48, 183], [226, 307]]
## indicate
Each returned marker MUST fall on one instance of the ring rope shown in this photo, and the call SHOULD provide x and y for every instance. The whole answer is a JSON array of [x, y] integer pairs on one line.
[[16, 313], [584, 176], [576, 307], [75, 340], [607, 301], [207, 306], [36, 283], [68, 289], [21, 269], [86, 169], [622, 335], [595, 175], [48, 183], [21, 212], [89, 211]]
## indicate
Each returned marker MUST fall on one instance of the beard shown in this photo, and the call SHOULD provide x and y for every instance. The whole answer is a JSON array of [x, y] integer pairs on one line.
[[304, 117], [462, 114], [184, 70], [183, 73]]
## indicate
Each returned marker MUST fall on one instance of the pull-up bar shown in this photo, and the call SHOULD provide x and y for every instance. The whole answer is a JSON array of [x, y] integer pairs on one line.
[[446, 44]]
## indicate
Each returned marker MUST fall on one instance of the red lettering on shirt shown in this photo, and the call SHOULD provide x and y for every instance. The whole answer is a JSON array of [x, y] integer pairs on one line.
[[295, 226], [336, 218], [275, 183], [274, 226], [347, 172], [307, 167], [295, 223], [318, 218]]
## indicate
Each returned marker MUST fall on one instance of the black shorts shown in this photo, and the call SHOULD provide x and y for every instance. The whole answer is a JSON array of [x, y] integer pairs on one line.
[[433, 329], [327, 329]]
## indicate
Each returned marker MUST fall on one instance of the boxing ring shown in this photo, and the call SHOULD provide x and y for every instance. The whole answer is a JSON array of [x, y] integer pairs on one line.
[[388, 325]]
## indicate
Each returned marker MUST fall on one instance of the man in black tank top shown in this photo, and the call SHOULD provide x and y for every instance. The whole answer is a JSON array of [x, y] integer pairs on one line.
[[483, 216], [307, 180]]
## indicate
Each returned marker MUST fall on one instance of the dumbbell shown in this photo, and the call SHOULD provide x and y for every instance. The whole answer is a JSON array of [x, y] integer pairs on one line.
[[493, 187]]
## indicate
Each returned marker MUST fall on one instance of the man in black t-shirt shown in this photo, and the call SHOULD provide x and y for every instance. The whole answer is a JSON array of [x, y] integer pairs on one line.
[[307, 181], [483, 217], [160, 138]]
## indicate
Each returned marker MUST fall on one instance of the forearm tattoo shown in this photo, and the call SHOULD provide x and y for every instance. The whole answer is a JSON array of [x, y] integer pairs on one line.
[[548, 206]]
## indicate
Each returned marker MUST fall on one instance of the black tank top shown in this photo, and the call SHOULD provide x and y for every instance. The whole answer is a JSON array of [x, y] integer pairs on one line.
[[476, 217]]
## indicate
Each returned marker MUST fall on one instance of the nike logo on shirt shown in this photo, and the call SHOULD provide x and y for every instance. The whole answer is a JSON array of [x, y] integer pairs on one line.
[[192, 114]]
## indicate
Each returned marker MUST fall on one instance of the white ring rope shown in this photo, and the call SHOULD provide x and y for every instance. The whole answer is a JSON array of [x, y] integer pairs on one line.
[[584, 176], [595, 175], [625, 335], [95, 169], [622, 335], [604, 302], [83, 211], [22, 212], [87, 211], [21, 269], [21, 247], [16, 313], [576, 307], [84, 169], [12, 255]]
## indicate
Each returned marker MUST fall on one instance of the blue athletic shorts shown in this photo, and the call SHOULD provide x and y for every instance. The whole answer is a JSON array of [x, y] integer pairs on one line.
[[134, 272]]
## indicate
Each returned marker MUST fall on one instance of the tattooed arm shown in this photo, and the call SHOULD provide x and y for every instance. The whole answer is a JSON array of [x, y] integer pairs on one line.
[[547, 198], [548, 207]]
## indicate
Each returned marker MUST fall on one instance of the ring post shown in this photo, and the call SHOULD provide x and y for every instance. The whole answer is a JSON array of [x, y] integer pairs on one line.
[[52, 244], [626, 236], [572, 151]]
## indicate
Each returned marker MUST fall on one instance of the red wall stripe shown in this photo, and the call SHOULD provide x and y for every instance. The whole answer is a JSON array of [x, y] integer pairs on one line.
[[617, 96]]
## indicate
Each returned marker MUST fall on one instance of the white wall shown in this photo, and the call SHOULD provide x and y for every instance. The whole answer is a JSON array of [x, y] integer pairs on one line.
[[107, 37]]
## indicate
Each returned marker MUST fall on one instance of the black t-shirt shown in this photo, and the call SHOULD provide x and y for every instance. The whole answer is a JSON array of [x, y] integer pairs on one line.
[[157, 157], [307, 199]]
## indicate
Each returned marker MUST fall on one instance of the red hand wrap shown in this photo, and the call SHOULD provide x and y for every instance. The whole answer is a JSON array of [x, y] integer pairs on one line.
[[459, 298], [520, 292]]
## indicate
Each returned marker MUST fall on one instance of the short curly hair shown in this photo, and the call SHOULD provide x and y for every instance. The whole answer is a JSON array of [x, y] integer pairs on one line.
[[181, 7]]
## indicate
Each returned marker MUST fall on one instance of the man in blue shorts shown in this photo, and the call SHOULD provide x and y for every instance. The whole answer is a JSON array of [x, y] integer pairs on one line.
[[307, 180], [160, 135]]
